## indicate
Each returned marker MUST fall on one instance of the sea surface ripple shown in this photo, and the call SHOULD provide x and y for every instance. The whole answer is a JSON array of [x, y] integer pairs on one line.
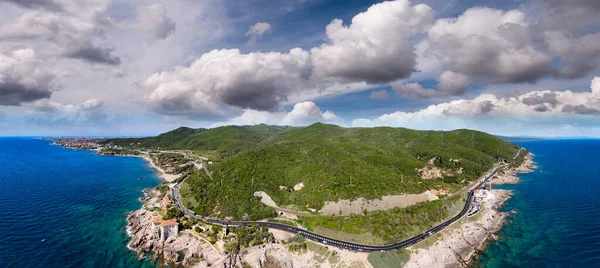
[[557, 220], [67, 208]]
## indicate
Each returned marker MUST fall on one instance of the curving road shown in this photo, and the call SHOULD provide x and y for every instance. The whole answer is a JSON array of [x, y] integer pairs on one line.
[[338, 243]]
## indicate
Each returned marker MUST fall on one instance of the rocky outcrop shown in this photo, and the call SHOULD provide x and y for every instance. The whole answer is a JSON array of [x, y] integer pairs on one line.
[[509, 176], [145, 237], [430, 172], [457, 245], [527, 166], [186, 249]]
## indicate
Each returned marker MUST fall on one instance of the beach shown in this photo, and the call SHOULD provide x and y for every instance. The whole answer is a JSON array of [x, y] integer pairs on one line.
[[161, 172]]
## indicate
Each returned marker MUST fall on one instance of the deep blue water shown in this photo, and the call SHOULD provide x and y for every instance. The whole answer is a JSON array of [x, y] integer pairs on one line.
[[66, 208], [558, 210]]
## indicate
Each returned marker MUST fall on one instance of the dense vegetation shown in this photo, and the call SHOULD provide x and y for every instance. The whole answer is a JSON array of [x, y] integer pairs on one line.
[[114, 151], [207, 197], [393, 225], [226, 141], [332, 163], [248, 236], [341, 163]]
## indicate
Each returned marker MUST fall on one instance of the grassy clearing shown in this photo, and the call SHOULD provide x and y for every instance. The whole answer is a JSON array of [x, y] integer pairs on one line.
[[386, 227], [321, 253], [186, 197], [389, 258], [365, 238]]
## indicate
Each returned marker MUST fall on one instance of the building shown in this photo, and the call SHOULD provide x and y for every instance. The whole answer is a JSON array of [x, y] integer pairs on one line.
[[480, 193], [156, 220], [168, 228], [166, 201]]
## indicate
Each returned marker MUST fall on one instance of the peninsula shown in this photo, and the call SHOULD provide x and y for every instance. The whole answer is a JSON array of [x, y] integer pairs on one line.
[[252, 194]]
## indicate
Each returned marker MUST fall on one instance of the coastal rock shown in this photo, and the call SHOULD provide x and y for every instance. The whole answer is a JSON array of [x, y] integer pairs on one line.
[[457, 245], [187, 248], [509, 176]]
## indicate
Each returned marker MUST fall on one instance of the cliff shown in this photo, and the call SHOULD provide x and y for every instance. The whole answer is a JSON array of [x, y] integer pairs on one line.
[[185, 249]]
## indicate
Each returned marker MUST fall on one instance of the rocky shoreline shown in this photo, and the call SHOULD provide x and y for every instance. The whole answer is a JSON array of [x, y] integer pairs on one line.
[[185, 249], [459, 245], [190, 249]]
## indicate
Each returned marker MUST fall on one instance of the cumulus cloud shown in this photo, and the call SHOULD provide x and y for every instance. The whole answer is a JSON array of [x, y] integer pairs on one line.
[[413, 90], [489, 45], [494, 46], [24, 78], [579, 55], [45, 112], [378, 94], [363, 52], [303, 113], [257, 31], [377, 47], [487, 111], [541, 98], [307, 113], [258, 81], [70, 29], [449, 84]]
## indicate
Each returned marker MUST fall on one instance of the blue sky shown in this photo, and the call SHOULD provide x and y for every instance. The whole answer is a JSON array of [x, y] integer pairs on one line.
[[116, 67]]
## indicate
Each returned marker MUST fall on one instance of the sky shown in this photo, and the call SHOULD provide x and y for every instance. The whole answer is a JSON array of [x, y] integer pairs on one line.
[[143, 67]]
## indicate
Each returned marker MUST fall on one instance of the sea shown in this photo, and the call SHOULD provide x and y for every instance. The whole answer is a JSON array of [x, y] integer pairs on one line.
[[557, 210], [67, 208]]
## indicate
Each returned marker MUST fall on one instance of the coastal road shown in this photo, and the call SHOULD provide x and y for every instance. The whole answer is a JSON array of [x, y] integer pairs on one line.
[[335, 242]]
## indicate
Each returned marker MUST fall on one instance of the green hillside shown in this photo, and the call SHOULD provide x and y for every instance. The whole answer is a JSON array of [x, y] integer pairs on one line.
[[340, 163], [225, 141]]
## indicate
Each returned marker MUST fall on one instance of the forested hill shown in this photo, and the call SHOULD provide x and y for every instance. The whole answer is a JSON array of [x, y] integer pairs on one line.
[[224, 141], [331, 162]]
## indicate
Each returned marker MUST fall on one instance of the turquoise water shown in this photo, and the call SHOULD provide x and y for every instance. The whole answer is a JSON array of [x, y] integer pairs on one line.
[[558, 210], [67, 208]]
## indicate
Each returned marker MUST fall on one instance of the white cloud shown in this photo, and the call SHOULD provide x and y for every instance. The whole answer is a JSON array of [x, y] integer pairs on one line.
[[361, 53], [307, 113], [70, 28], [494, 46], [257, 31], [258, 81], [491, 113], [90, 112], [377, 47], [25, 78], [303, 113]]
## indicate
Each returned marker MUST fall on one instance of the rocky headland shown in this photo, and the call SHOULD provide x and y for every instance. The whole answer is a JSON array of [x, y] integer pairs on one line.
[[458, 245]]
